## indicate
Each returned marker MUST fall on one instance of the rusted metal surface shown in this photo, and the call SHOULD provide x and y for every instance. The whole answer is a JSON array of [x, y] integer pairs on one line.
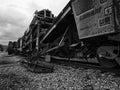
[[93, 18]]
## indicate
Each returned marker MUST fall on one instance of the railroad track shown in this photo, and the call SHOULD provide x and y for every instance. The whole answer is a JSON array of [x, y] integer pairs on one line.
[[9, 65], [85, 65], [76, 64]]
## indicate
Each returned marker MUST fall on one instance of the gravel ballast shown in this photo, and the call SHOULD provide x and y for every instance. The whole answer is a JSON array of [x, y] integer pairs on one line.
[[16, 77]]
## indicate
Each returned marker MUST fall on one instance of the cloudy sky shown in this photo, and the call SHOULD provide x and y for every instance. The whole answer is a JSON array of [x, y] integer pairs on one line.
[[16, 15]]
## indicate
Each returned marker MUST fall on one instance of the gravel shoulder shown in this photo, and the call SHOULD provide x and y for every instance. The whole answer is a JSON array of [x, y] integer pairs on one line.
[[16, 77]]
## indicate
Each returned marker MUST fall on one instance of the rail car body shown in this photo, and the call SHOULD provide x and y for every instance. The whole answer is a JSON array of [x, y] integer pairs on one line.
[[37, 29], [88, 31], [85, 31], [12, 47]]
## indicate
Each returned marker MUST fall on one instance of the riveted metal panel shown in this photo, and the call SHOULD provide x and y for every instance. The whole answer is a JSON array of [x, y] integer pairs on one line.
[[93, 17]]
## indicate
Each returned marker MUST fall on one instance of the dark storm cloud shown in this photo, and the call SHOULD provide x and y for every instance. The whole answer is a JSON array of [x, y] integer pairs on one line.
[[12, 25], [16, 15], [8, 36], [14, 20]]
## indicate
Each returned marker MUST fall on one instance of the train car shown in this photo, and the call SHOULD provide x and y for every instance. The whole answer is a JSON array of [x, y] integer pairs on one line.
[[84, 31], [87, 31], [19, 45], [37, 29], [10, 48]]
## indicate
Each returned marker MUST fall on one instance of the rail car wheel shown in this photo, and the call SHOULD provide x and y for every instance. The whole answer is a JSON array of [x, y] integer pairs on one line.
[[106, 57]]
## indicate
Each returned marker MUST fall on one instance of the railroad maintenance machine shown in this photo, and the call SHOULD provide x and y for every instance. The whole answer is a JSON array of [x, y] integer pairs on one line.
[[84, 31]]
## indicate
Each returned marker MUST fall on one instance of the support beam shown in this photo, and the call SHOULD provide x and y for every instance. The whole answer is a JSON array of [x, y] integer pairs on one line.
[[37, 39]]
